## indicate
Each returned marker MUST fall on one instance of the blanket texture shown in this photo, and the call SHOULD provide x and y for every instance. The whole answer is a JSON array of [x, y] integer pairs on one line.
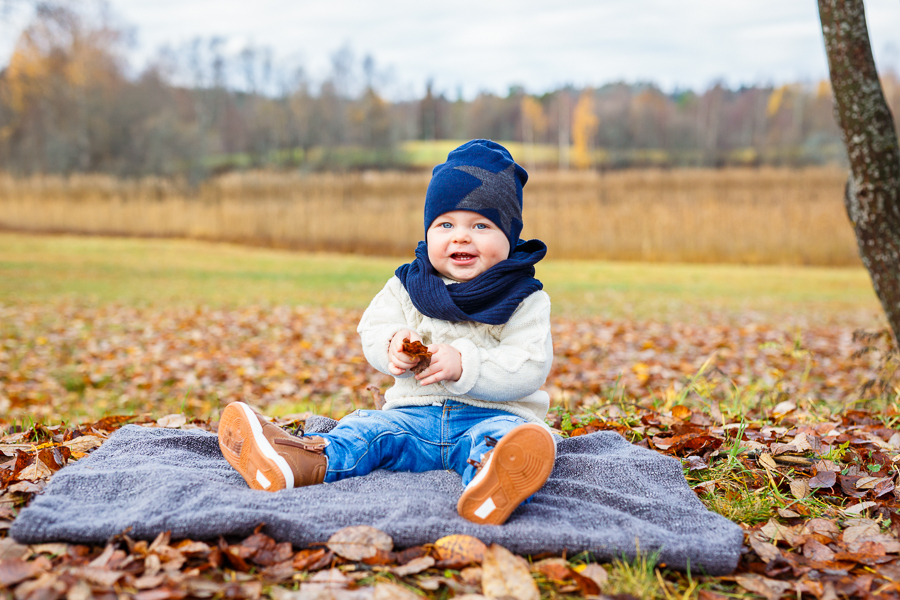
[[605, 496]]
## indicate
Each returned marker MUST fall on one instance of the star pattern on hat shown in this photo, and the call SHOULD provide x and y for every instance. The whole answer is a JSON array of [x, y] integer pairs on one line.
[[497, 191]]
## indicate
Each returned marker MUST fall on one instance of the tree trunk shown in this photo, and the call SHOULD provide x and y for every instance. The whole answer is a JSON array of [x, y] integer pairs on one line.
[[872, 196]]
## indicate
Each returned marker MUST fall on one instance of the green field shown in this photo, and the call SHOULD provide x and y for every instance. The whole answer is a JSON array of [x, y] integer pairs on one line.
[[162, 272]]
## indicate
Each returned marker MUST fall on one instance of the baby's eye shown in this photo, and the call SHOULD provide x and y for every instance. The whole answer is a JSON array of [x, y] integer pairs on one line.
[[480, 226], [446, 225]]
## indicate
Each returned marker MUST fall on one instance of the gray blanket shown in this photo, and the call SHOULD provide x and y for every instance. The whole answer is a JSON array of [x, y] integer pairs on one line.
[[604, 496]]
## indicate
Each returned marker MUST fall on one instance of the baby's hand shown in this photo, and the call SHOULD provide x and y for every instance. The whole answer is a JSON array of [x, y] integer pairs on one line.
[[446, 365], [398, 362]]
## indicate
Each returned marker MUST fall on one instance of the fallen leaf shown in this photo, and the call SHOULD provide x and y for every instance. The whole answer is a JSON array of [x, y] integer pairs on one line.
[[595, 572], [48, 585], [783, 408], [26, 487], [377, 396], [99, 576], [555, 569], [772, 589], [815, 550], [561, 574], [163, 593], [404, 556], [779, 449], [868, 483], [380, 558], [773, 530], [861, 531], [312, 560], [392, 591], [463, 549], [148, 582], [278, 572], [84, 443], [416, 565], [695, 463], [681, 412], [859, 508], [359, 541], [687, 443], [55, 458], [800, 488], [471, 576], [35, 471], [332, 585], [80, 591], [505, 574], [765, 459], [173, 421], [104, 557], [14, 570], [848, 485], [192, 548], [823, 479], [9, 548], [111, 423], [766, 551], [824, 528]]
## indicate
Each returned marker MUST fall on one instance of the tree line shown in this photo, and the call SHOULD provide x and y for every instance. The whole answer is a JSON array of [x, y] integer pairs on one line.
[[69, 103]]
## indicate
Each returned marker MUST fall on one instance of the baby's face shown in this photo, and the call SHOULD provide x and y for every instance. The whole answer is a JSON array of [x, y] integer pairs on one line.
[[462, 244]]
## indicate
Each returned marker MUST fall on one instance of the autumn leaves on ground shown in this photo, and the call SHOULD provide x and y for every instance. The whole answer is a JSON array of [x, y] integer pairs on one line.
[[773, 387]]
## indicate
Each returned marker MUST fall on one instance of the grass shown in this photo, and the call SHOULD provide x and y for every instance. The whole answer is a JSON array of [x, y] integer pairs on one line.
[[638, 578], [162, 272]]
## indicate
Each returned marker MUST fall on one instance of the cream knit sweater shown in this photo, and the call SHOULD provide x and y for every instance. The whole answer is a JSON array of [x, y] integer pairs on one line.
[[503, 366]]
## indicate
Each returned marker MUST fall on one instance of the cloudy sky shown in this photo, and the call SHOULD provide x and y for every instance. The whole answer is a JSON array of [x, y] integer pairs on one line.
[[474, 45]]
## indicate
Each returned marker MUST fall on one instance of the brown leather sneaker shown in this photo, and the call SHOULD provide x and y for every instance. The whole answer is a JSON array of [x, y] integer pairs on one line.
[[267, 457], [516, 468]]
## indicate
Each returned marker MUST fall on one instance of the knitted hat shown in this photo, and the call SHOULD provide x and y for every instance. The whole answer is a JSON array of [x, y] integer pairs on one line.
[[480, 176]]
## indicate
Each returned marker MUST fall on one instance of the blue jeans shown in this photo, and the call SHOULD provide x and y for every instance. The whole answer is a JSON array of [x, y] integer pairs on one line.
[[414, 438]]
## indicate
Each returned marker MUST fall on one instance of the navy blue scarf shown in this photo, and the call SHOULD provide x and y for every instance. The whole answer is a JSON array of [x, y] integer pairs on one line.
[[490, 298]]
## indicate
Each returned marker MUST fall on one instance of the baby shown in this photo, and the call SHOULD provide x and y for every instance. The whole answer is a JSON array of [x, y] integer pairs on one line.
[[477, 409]]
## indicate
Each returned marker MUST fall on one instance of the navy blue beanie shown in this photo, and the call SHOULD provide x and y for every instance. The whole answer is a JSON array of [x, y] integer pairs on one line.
[[480, 176]]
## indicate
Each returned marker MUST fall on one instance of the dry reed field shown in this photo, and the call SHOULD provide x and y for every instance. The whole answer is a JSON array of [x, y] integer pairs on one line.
[[755, 216]]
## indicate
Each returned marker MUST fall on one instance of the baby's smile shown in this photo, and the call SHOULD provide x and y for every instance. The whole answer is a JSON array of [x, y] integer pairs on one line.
[[463, 244]]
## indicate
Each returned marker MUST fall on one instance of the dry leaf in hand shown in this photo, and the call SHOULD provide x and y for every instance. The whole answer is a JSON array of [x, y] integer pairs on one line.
[[418, 351]]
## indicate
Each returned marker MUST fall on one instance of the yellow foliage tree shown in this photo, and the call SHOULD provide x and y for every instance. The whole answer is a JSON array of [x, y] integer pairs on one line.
[[58, 51], [534, 124], [58, 89], [776, 99], [584, 125], [534, 120]]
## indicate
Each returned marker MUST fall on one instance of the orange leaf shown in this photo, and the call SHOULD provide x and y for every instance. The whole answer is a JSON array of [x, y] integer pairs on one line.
[[418, 351], [681, 412], [461, 549]]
